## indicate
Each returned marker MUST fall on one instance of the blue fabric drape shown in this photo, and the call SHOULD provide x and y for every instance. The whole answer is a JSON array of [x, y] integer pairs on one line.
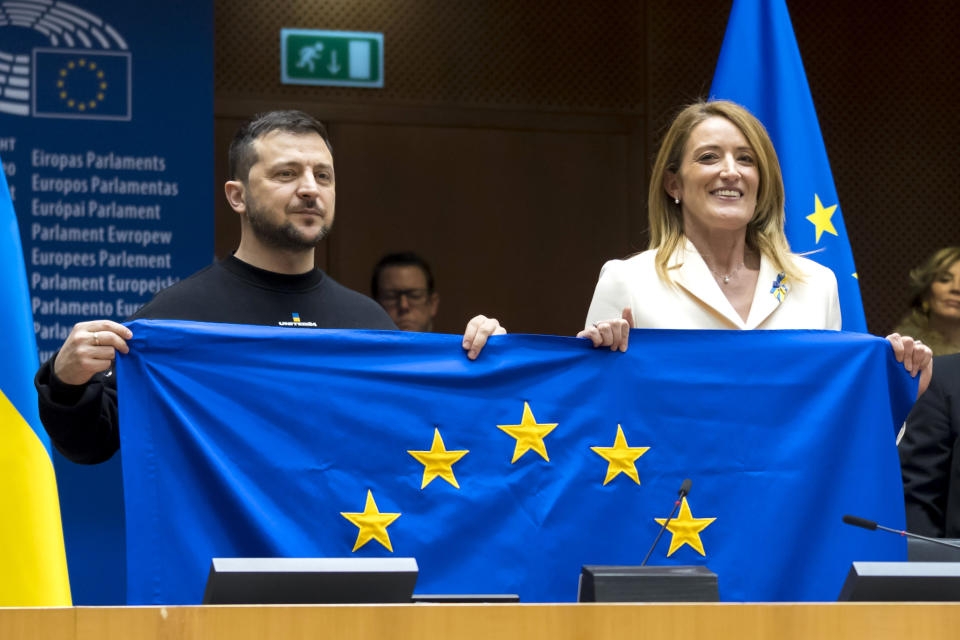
[[252, 441]]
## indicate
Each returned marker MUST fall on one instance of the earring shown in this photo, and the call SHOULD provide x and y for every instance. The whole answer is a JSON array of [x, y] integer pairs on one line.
[[676, 200]]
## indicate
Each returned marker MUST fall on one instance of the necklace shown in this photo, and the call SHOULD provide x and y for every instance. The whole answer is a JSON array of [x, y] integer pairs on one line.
[[725, 277]]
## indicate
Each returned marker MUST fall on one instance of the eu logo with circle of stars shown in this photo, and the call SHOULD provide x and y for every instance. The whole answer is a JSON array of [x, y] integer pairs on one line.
[[81, 83]]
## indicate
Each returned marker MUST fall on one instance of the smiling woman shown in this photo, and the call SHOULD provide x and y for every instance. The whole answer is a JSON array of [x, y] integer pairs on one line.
[[935, 305], [718, 256]]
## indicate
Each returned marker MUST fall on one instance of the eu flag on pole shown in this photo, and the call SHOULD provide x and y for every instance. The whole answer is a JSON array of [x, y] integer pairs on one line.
[[506, 474], [760, 68], [33, 565]]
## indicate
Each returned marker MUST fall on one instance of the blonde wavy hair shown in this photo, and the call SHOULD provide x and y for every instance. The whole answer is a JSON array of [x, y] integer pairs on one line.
[[764, 232]]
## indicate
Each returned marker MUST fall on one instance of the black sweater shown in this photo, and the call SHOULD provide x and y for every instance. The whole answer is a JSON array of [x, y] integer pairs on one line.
[[82, 419]]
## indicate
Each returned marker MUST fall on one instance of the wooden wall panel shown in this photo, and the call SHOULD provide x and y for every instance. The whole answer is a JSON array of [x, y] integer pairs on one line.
[[885, 81], [529, 54], [507, 145], [516, 223]]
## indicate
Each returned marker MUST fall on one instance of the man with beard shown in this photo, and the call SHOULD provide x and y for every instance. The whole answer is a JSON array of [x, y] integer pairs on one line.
[[283, 188]]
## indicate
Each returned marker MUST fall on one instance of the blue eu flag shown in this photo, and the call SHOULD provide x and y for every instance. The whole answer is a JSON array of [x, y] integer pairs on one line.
[[760, 68], [506, 474], [82, 83]]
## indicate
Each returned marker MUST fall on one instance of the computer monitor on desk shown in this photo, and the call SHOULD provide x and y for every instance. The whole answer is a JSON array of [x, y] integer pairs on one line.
[[902, 582], [928, 551], [310, 580], [674, 583]]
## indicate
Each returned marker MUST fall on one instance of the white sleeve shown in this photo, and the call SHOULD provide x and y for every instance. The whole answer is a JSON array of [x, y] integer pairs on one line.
[[833, 320], [612, 294]]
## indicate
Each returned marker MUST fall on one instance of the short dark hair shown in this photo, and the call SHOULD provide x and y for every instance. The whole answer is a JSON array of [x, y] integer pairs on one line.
[[401, 259], [243, 155]]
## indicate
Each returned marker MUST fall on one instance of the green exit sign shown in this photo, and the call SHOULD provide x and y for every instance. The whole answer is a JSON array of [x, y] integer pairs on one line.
[[335, 58]]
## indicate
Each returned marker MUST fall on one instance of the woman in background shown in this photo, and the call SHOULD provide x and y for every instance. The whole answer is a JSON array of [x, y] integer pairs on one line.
[[934, 316]]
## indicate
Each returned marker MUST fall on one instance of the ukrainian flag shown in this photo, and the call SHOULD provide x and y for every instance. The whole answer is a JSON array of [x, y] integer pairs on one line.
[[33, 564]]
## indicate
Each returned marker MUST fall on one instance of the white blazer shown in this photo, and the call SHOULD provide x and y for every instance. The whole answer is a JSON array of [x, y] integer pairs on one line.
[[695, 300]]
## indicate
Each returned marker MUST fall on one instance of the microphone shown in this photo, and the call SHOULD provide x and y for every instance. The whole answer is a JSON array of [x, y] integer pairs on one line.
[[873, 526], [684, 490]]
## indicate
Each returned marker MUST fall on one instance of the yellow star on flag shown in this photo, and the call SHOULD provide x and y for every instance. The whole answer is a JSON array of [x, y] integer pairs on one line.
[[821, 217], [438, 462], [529, 434], [622, 458], [685, 529], [373, 524]]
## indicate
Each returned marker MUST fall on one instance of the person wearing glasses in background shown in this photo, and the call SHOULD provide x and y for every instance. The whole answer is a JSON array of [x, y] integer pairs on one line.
[[403, 285]]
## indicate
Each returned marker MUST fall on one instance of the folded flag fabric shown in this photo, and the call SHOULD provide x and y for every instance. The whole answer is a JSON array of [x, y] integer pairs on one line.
[[506, 474]]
